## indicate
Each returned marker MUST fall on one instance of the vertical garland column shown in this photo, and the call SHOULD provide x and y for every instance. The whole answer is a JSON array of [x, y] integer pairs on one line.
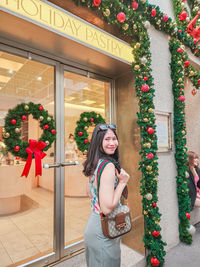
[[148, 165], [177, 75]]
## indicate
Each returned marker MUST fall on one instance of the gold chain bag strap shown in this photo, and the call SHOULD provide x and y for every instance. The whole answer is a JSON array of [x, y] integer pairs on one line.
[[118, 222]]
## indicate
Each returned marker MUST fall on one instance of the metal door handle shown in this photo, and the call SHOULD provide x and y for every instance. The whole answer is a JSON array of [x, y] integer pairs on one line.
[[63, 164], [47, 166]]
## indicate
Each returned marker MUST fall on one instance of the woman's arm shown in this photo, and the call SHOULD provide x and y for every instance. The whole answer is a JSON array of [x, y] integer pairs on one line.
[[108, 196]]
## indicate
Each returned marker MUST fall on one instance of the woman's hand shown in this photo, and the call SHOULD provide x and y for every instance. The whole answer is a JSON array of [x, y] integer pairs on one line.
[[123, 176]]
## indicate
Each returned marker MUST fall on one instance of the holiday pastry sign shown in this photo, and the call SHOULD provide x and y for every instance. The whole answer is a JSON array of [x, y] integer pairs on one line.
[[64, 23]]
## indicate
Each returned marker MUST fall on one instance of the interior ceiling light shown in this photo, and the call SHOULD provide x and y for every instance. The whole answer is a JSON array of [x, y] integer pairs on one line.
[[10, 71], [39, 78], [87, 88], [88, 102], [10, 65], [4, 79]]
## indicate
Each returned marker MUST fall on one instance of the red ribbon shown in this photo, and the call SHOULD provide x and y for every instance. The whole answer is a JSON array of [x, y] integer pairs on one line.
[[36, 148]]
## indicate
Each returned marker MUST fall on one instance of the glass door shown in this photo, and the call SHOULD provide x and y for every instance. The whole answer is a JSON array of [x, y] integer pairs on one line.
[[27, 217], [83, 93]]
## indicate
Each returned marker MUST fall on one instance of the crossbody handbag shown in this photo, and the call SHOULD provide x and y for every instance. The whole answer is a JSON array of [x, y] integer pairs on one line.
[[118, 222]]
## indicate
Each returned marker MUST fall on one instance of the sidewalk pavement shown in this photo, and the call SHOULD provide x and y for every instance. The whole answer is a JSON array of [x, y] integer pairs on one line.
[[185, 255]]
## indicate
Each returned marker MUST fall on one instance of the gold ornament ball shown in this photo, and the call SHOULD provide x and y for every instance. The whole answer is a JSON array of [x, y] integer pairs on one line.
[[148, 145], [6, 135], [26, 107], [137, 67], [137, 45], [150, 110], [47, 142], [85, 119], [48, 118], [17, 130], [86, 128], [146, 120], [187, 174], [180, 62], [134, 28], [143, 1], [145, 212], [85, 152], [183, 132], [97, 115], [41, 118], [149, 168], [191, 73], [125, 27], [148, 196], [180, 80], [106, 12]]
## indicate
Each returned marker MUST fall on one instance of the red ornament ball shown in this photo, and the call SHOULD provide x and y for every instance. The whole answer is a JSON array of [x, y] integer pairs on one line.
[[53, 131], [154, 204], [198, 81], [24, 117], [96, 2], [194, 92], [121, 17], [149, 156], [13, 121], [17, 148], [85, 141], [156, 233], [150, 130], [17, 158], [181, 98], [80, 133], [181, 89], [187, 215], [91, 119], [134, 5], [165, 18], [145, 88], [186, 63], [145, 78], [153, 12], [41, 108], [180, 50], [46, 126], [183, 15], [155, 261]]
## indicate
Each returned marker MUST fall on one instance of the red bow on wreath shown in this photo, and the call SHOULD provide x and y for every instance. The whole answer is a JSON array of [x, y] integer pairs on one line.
[[36, 148]]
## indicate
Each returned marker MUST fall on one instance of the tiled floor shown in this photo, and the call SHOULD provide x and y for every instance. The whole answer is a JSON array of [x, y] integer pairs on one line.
[[30, 232]]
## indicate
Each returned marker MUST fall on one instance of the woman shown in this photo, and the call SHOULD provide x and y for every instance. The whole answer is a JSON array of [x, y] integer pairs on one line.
[[100, 250], [194, 181]]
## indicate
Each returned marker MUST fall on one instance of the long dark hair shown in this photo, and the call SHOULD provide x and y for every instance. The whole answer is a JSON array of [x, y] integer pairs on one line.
[[96, 152]]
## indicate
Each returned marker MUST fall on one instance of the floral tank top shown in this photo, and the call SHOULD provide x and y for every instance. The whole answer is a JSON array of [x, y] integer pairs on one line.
[[93, 191]]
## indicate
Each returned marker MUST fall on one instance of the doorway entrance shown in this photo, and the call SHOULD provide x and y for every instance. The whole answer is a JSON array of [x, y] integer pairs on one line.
[[42, 218]]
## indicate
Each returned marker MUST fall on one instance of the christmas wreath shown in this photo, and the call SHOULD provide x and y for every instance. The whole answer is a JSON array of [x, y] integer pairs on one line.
[[81, 136], [13, 123]]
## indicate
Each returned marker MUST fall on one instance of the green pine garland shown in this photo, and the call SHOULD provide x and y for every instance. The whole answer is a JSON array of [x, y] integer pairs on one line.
[[87, 119], [13, 123]]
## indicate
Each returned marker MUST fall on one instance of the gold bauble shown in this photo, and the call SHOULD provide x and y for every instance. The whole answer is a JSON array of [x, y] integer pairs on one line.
[[137, 46], [17, 130], [191, 73], [180, 80], [134, 27], [145, 212], [85, 119], [41, 118], [6, 135], [148, 196], [148, 145], [48, 118], [86, 128], [148, 168], [125, 27], [97, 115], [183, 132], [85, 152], [150, 110], [180, 62], [47, 142], [106, 12], [143, 1], [26, 107], [145, 119], [136, 67]]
